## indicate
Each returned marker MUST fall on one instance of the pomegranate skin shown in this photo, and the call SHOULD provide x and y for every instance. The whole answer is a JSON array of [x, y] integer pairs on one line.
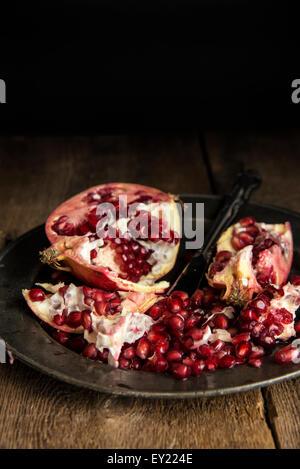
[[261, 254], [65, 253]]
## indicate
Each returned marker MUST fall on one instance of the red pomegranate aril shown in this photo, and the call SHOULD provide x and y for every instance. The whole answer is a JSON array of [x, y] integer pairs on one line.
[[160, 363], [211, 364], [197, 298], [205, 351], [218, 345], [181, 371], [223, 256], [214, 268], [174, 355], [86, 320], [61, 337], [76, 343], [195, 332], [176, 323], [90, 352], [247, 221], [242, 349], [174, 305], [36, 294], [221, 321], [128, 352], [257, 351], [243, 337], [162, 346], [103, 356], [192, 321], [74, 319], [59, 319], [93, 254], [188, 361], [227, 361], [288, 355], [188, 342], [297, 327], [136, 364], [124, 363], [198, 367], [249, 315], [287, 317], [255, 362], [143, 348], [154, 312]]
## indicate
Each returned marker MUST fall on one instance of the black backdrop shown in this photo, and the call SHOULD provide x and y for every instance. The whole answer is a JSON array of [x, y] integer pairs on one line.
[[92, 65]]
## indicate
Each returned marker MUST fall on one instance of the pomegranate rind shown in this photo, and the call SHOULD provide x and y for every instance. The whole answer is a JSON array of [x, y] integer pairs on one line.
[[65, 252], [238, 277]]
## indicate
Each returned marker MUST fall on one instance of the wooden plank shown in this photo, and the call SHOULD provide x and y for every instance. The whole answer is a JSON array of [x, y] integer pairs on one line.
[[276, 157], [38, 412]]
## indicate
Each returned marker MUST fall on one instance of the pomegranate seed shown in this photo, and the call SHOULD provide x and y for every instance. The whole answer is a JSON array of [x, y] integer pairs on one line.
[[62, 290], [136, 364], [195, 332], [227, 361], [124, 363], [174, 305], [59, 319], [162, 346], [74, 319], [193, 320], [205, 351], [76, 343], [36, 294], [143, 348], [188, 343], [211, 364], [181, 371], [214, 268], [182, 295], [288, 355], [103, 356], [174, 355], [61, 337], [256, 351], [243, 337], [86, 320], [128, 353], [90, 352], [160, 363], [287, 317], [221, 321], [197, 298], [218, 345], [256, 362], [297, 327], [249, 315], [247, 221], [176, 323], [197, 367], [223, 256], [242, 349], [93, 254]]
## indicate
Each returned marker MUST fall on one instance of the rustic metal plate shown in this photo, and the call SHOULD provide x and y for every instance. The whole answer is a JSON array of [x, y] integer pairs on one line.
[[20, 268]]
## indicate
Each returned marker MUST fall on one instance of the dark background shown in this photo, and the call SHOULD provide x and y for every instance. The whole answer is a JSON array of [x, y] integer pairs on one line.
[[107, 65]]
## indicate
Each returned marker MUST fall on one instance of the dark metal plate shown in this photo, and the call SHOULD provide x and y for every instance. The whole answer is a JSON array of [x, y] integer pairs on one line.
[[20, 268]]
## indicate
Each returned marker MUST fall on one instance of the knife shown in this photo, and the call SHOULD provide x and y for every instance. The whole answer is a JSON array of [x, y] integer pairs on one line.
[[192, 274]]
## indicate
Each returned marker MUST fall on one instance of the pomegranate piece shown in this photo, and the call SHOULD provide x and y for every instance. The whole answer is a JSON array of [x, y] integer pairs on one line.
[[250, 256], [181, 371], [275, 312], [116, 247]]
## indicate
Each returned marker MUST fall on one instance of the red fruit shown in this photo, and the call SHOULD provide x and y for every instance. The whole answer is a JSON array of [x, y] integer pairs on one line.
[[61, 337], [90, 352], [155, 312], [124, 363], [257, 260], [174, 305], [128, 352], [197, 367], [218, 345], [195, 332], [74, 319], [36, 294], [227, 361], [180, 371], [76, 343], [221, 321], [136, 364], [290, 354], [243, 337], [197, 298], [256, 362], [174, 355], [86, 218], [143, 348], [243, 349], [86, 320], [211, 364], [205, 351], [297, 327]]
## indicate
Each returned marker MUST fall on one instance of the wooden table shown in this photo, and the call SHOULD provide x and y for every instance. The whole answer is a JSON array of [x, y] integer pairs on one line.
[[37, 173]]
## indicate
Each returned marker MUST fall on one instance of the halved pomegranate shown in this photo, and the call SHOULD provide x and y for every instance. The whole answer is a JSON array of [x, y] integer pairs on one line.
[[96, 238], [270, 316], [250, 256], [107, 319]]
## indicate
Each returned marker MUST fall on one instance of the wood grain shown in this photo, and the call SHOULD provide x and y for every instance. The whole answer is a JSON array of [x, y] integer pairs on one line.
[[36, 411], [276, 157]]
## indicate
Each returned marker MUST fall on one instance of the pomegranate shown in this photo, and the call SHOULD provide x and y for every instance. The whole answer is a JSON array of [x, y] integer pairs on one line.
[[289, 354], [107, 319], [115, 236], [250, 256]]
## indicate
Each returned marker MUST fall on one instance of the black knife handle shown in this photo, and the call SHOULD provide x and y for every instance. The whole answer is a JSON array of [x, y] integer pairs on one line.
[[245, 184]]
